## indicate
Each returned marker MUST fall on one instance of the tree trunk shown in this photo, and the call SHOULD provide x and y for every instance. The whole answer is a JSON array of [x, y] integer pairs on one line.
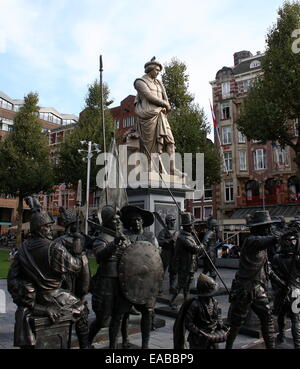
[[19, 221]]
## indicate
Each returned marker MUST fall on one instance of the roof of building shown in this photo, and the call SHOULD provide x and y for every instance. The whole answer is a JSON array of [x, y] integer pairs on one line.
[[248, 65], [288, 211], [42, 109], [64, 127]]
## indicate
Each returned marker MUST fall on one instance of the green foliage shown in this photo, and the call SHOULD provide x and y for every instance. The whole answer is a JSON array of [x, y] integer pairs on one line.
[[25, 167], [5, 263], [275, 97], [188, 121], [71, 167]]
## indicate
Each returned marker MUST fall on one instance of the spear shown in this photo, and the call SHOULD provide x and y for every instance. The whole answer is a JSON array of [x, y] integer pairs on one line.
[[103, 123]]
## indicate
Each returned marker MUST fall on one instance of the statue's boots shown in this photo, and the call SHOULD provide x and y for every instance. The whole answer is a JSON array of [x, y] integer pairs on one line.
[[281, 325], [114, 328], [82, 331], [233, 332], [124, 330], [268, 333], [296, 330], [172, 288], [146, 323]]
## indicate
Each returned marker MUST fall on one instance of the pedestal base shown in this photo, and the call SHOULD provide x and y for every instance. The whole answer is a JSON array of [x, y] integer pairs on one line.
[[49, 335]]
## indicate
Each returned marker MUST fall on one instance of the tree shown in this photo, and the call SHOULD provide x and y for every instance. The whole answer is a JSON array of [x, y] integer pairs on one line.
[[71, 168], [25, 167], [274, 99], [188, 121]]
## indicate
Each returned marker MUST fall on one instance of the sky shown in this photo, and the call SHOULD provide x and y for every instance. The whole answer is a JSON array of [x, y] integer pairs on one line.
[[52, 47]]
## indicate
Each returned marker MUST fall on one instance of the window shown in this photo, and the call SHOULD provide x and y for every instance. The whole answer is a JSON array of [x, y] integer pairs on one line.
[[207, 212], [255, 64], [227, 135], [281, 157], [246, 85], [243, 160], [295, 128], [5, 104], [117, 124], [225, 90], [228, 190], [228, 160], [241, 138], [260, 159], [207, 193], [225, 111], [197, 212]]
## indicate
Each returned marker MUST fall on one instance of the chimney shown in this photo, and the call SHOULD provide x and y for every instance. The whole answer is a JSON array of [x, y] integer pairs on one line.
[[240, 55]]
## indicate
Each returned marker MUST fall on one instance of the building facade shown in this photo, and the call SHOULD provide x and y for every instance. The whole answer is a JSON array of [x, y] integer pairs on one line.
[[255, 175], [55, 125]]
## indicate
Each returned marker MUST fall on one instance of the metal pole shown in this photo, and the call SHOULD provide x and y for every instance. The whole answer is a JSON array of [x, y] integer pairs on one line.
[[89, 155], [103, 123], [263, 195]]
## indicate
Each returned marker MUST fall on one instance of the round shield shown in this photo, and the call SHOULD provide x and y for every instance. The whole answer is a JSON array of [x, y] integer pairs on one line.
[[141, 273]]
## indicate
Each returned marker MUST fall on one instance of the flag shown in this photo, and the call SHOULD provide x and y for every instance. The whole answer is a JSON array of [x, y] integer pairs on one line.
[[213, 116]]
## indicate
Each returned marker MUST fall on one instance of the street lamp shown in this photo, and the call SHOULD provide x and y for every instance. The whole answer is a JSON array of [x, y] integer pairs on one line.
[[88, 157]]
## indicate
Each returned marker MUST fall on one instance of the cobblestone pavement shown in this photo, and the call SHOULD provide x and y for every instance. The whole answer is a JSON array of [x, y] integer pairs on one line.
[[161, 338]]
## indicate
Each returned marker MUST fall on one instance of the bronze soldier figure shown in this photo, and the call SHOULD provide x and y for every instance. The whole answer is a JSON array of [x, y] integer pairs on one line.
[[186, 250], [200, 316], [141, 268], [36, 276], [286, 265], [249, 288], [166, 239], [77, 283], [211, 243], [108, 301]]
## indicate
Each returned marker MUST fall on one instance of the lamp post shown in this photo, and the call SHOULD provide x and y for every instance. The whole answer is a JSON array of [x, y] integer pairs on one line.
[[90, 153]]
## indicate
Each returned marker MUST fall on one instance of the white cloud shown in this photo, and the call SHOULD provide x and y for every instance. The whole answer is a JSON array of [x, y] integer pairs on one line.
[[61, 40]]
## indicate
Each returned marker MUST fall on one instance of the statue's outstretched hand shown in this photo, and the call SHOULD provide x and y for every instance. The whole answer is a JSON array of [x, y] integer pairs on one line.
[[53, 314]]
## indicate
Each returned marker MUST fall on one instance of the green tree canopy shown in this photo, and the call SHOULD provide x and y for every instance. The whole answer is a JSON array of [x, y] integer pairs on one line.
[[274, 99], [188, 121], [25, 168], [71, 167]]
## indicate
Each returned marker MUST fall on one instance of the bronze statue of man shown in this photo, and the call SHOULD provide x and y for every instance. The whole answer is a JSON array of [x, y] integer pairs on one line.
[[35, 278], [108, 300], [211, 243], [142, 267], [152, 107], [186, 249], [78, 283], [249, 287], [166, 239]]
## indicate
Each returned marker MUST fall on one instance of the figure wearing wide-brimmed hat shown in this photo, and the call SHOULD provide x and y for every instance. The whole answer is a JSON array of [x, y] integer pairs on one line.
[[249, 288], [200, 317], [144, 261], [186, 249]]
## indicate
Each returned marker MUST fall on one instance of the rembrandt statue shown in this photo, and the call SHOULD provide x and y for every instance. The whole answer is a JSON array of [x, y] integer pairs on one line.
[[152, 107]]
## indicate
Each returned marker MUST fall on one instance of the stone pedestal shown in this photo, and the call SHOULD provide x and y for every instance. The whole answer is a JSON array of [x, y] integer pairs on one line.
[[49, 335], [158, 200]]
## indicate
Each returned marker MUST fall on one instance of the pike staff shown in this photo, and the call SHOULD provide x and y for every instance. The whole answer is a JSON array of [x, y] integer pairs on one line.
[[179, 209]]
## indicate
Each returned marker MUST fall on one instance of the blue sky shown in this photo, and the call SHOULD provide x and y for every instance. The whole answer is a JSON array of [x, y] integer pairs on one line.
[[53, 46]]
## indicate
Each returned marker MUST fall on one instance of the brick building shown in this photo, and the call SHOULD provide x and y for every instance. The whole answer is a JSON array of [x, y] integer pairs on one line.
[[54, 124], [255, 175]]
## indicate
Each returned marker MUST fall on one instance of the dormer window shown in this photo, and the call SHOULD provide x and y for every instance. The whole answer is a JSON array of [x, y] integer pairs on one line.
[[255, 64]]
